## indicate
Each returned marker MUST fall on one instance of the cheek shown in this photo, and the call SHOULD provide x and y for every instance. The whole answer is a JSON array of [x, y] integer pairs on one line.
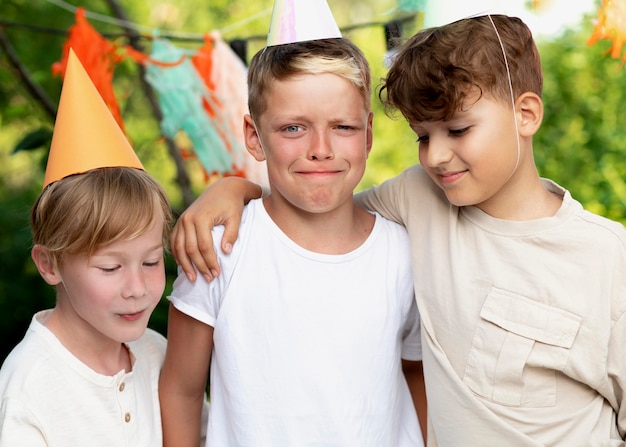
[[157, 280]]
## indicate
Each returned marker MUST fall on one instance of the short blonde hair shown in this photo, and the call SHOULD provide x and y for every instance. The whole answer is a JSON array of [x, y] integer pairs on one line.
[[337, 56], [81, 213]]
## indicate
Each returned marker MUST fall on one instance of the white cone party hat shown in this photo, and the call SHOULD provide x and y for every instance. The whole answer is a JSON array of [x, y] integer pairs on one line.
[[86, 135], [442, 12], [300, 21]]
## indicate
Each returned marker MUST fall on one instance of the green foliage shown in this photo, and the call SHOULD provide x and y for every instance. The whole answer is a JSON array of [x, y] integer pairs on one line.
[[581, 143], [22, 291]]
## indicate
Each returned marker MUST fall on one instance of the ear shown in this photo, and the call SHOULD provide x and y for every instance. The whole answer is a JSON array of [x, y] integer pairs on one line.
[[370, 138], [529, 108], [45, 264], [252, 138]]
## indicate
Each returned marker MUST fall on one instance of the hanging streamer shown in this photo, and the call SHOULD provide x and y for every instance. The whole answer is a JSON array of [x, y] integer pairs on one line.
[[222, 105], [182, 95], [97, 55], [411, 5], [225, 76], [611, 25]]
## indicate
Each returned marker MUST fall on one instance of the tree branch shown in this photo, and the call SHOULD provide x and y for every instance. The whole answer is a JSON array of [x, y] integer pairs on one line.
[[182, 178], [33, 88]]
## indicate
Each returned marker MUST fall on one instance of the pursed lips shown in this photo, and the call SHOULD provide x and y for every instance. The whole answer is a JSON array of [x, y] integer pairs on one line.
[[132, 316]]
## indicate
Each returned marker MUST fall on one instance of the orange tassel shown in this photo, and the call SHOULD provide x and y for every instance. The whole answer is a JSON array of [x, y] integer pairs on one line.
[[98, 56], [611, 25]]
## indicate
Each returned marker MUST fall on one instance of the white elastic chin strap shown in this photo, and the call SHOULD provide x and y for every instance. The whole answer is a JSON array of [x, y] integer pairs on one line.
[[508, 73], [258, 136]]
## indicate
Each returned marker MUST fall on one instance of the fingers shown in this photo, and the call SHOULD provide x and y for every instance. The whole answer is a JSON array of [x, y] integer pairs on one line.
[[202, 252], [231, 232], [180, 238], [191, 241]]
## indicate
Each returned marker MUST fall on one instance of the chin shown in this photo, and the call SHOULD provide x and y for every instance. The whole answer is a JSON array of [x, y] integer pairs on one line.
[[459, 201]]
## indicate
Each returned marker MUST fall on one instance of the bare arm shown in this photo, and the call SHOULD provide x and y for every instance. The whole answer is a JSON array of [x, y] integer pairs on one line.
[[220, 204], [414, 374], [182, 384]]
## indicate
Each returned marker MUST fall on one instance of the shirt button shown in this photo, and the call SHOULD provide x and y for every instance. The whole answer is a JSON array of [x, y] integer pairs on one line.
[[127, 417], [122, 386]]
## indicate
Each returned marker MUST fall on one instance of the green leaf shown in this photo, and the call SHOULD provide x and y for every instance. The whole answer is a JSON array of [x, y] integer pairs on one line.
[[34, 140]]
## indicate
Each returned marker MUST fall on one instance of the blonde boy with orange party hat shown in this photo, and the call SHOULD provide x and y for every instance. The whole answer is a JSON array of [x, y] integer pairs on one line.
[[86, 372], [307, 328]]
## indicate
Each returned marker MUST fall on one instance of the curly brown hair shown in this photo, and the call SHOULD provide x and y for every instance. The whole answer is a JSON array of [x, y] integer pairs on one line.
[[438, 68]]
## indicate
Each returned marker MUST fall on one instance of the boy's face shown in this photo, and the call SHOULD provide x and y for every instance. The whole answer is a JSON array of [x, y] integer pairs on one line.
[[316, 135], [473, 156], [110, 296]]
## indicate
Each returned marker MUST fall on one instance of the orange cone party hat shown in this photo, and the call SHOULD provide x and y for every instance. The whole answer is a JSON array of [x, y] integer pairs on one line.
[[301, 20], [86, 136]]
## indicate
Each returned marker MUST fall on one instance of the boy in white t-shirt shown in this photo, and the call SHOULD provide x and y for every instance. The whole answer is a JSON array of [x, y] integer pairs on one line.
[[307, 327], [522, 293], [86, 372]]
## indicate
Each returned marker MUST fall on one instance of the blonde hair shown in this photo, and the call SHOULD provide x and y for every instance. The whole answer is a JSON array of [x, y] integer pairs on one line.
[[81, 213], [337, 56]]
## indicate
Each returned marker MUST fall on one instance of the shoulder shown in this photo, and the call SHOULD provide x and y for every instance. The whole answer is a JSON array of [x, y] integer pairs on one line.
[[31, 366], [613, 231], [392, 230], [393, 244], [150, 347], [583, 226], [595, 230]]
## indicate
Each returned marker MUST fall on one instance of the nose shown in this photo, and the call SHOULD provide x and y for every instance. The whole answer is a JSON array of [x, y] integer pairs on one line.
[[436, 152], [135, 284], [320, 147]]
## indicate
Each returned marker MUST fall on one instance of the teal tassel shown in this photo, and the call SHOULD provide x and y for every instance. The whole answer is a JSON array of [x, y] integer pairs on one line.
[[412, 5], [180, 92]]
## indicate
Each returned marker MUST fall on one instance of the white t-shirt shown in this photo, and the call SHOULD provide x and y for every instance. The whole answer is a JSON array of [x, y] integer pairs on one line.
[[308, 346], [50, 398]]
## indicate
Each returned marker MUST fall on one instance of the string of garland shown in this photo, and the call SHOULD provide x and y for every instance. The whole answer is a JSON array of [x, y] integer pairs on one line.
[[200, 91]]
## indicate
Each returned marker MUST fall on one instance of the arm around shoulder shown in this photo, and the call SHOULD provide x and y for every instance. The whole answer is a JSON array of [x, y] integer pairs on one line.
[[221, 203]]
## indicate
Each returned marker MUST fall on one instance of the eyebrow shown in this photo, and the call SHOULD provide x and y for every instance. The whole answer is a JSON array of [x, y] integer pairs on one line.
[[119, 253]]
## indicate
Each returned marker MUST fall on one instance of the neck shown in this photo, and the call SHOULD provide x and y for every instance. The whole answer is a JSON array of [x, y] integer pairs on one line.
[[339, 231], [105, 357], [524, 197]]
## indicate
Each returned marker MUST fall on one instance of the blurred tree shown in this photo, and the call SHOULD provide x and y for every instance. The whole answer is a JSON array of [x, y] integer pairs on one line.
[[32, 35], [581, 144]]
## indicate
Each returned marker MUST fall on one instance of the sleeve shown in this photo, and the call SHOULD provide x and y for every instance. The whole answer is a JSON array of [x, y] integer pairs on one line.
[[18, 426], [411, 338], [381, 199], [617, 372], [201, 299], [391, 198], [615, 392]]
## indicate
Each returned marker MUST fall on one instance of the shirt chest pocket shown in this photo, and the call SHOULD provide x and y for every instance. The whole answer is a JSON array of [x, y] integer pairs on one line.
[[517, 349]]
